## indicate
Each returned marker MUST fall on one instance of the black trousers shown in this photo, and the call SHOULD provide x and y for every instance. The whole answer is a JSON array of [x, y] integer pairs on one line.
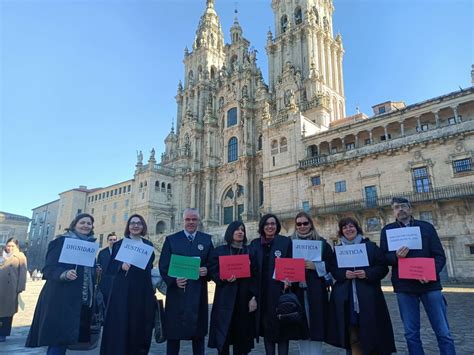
[[6, 326], [172, 346], [283, 347]]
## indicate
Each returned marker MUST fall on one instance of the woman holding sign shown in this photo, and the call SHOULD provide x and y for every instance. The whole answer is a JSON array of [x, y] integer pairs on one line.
[[313, 293], [131, 309], [358, 316], [63, 312], [232, 321], [264, 251]]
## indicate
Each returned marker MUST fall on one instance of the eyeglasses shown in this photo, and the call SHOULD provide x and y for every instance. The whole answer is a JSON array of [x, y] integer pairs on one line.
[[136, 223], [299, 224]]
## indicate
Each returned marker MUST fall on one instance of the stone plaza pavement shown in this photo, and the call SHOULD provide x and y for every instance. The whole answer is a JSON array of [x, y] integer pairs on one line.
[[460, 313]]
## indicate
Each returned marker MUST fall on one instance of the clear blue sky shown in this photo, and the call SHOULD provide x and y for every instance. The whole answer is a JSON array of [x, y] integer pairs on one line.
[[85, 84]]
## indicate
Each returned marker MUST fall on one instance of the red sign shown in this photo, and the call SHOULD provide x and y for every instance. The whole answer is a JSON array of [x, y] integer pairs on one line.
[[289, 269], [234, 265], [417, 268]]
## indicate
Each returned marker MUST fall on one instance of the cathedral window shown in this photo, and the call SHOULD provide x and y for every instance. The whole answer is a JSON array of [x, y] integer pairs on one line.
[[233, 62], [283, 145], [240, 190], [213, 72], [312, 150], [274, 147], [229, 194], [163, 186], [232, 150], [232, 117], [240, 210], [160, 227], [260, 142], [284, 23], [157, 185], [228, 214], [169, 188], [298, 16]]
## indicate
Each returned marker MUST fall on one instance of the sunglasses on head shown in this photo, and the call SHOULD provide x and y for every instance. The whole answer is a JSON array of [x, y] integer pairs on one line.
[[299, 224]]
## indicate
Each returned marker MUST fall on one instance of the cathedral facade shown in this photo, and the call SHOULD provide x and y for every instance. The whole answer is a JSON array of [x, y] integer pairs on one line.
[[243, 147]]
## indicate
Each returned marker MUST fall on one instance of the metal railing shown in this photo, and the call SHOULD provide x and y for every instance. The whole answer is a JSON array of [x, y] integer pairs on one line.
[[459, 191]]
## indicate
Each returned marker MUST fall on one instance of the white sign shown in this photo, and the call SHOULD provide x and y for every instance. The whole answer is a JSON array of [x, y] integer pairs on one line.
[[78, 252], [135, 253], [353, 255], [404, 237], [309, 250]]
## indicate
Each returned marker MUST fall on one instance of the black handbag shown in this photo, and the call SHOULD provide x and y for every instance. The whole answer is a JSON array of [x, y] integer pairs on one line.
[[289, 310], [160, 322]]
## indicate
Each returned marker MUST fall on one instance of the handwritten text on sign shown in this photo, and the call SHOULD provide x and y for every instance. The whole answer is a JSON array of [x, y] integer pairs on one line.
[[78, 252], [417, 269], [234, 265], [354, 255], [289, 269], [404, 237], [135, 253], [184, 266], [307, 249]]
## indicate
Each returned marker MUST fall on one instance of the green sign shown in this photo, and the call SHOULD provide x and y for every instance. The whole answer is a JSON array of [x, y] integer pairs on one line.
[[184, 266]]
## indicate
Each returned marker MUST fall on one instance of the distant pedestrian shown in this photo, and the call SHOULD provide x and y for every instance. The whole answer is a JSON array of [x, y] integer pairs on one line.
[[103, 260], [64, 309], [12, 283]]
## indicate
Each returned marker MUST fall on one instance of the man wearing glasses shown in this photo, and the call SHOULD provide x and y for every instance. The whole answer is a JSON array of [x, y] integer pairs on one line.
[[411, 292], [186, 309]]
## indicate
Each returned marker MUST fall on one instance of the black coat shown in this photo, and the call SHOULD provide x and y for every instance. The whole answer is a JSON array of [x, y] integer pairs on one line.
[[56, 320], [318, 298], [130, 313], [431, 248], [103, 259], [230, 317], [186, 310], [375, 326], [269, 290]]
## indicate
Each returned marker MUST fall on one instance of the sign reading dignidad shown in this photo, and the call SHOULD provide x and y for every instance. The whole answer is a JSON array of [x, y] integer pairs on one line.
[[78, 252], [404, 237], [135, 253], [309, 250], [353, 255]]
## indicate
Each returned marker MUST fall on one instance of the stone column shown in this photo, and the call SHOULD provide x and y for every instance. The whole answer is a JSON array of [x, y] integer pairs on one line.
[[418, 123], [356, 141], [193, 192], [343, 142], [385, 132], [402, 129], [456, 116], [323, 58], [371, 137], [330, 147], [436, 114]]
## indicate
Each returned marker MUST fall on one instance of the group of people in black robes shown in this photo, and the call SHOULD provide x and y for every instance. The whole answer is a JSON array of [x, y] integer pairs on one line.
[[355, 317]]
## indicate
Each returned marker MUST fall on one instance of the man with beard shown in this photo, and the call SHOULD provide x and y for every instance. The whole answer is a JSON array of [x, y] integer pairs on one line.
[[411, 292]]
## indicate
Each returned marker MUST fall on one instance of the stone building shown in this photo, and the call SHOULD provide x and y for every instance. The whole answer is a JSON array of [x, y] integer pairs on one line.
[[42, 231], [242, 147], [13, 226]]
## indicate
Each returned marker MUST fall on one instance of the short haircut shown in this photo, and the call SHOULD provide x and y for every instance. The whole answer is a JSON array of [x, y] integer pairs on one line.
[[263, 220], [229, 233], [127, 226], [72, 226], [191, 210], [349, 220], [112, 234], [400, 200]]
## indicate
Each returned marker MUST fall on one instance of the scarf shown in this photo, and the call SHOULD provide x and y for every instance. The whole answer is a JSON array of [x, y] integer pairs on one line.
[[356, 240], [87, 283], [320, 266]]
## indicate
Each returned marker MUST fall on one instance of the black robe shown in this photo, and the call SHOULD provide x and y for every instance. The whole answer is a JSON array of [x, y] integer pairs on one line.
[[231, 322], [375, 326], [103, 259], [57, 316], [131, 308], [318, 298], [269, 290], [186, 310]]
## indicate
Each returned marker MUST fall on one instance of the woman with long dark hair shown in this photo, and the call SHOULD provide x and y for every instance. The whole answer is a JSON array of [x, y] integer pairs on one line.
[[12, 283], [232, 316], [313, 293], [64, 309], [358, 315], [131, 307]]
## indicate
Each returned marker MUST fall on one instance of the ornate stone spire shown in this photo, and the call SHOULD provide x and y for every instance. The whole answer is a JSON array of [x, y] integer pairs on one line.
[[209, 33]]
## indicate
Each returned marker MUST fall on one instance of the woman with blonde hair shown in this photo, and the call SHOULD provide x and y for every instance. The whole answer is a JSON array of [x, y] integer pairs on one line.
[[313, 293]]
